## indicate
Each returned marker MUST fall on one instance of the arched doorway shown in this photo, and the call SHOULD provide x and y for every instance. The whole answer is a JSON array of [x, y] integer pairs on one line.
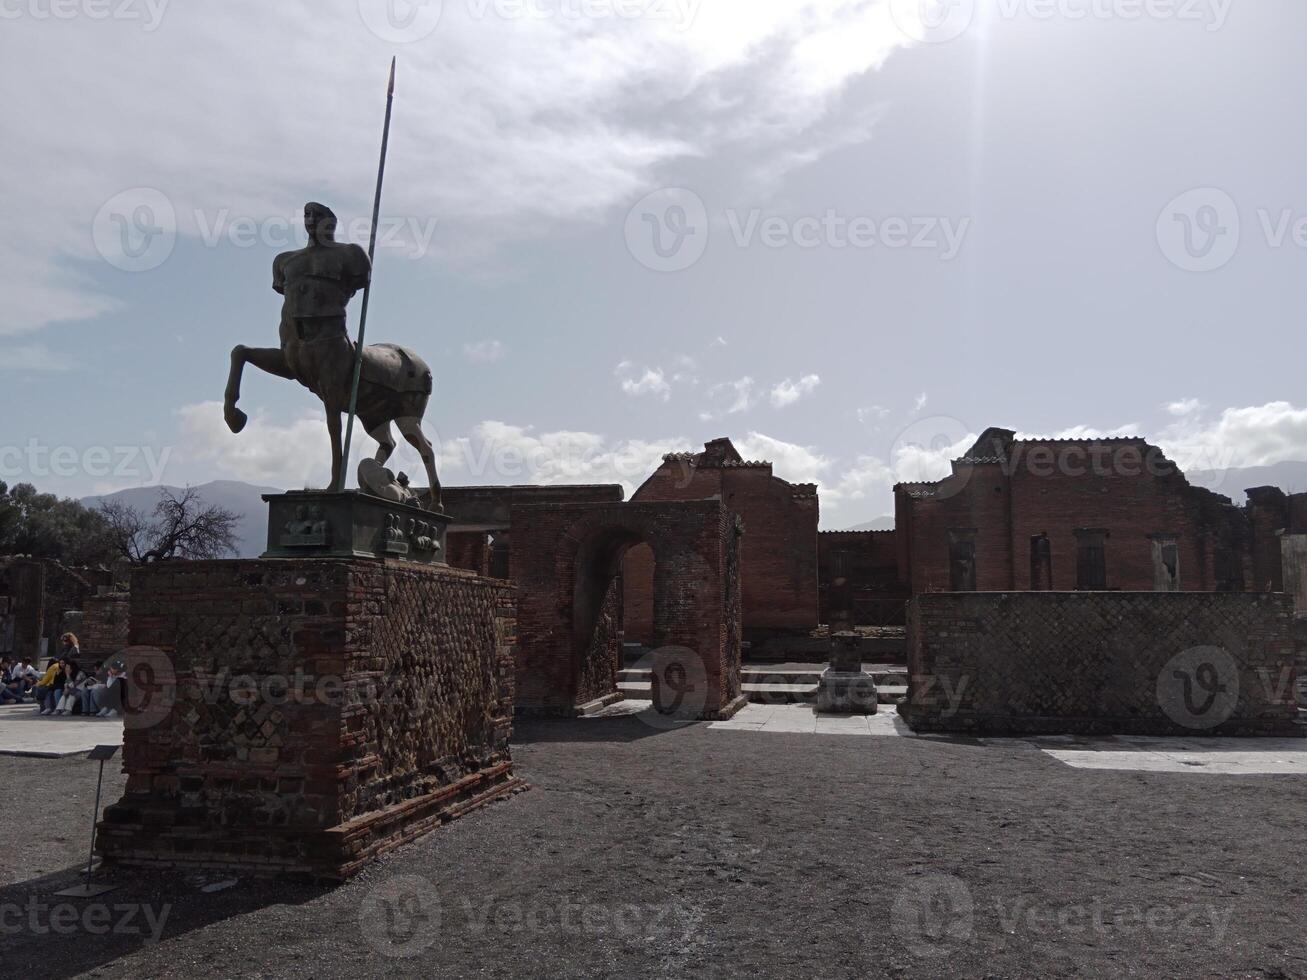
[[566, 564], [638, 594]]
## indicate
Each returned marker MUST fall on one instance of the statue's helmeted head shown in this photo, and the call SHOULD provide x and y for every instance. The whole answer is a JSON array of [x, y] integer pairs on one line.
[[319, 222]]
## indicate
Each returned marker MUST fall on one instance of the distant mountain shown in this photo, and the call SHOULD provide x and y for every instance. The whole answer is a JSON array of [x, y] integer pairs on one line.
[[1291, 477], [885, 523], [240, 498]]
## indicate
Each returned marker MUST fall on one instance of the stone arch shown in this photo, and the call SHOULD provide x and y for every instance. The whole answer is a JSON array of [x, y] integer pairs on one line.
[[566, 560]]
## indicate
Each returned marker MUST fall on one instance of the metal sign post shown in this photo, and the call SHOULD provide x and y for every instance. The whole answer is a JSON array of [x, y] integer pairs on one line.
[[88, 889]]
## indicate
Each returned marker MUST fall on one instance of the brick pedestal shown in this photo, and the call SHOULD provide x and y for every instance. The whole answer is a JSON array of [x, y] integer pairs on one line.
[[304, 715]]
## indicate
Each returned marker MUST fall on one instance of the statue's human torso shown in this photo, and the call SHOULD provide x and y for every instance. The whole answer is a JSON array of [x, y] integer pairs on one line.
[[319, 281]]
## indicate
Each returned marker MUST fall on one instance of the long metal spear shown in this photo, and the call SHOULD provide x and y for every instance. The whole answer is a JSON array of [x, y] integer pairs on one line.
[[367, 290]]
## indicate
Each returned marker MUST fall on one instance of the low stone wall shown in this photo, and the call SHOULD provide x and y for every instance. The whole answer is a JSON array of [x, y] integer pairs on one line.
[[304, 715], [1102, 662]]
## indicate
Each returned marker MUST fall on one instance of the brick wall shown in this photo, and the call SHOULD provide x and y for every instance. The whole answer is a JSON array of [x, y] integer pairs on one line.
[[778, 553], [858, 572], [1101, 662], [104, 626], [1008, 493], [23, 583], [323, 711], [468, 550], [565, 560]]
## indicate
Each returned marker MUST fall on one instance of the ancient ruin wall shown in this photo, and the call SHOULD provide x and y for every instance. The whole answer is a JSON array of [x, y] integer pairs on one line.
[[324, 711], [104, 627], [1092, 662]]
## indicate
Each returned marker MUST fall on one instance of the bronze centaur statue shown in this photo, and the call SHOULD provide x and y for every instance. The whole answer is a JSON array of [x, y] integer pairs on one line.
[[317, 282]]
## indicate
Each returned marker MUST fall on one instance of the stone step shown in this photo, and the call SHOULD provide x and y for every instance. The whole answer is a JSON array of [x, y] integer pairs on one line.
[[642, 690], [805, 675]]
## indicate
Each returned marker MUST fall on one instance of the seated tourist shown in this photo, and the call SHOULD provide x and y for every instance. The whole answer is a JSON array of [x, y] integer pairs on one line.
[[43, 684], [7, 693], [95, 678], [111, 697], [55, 694], [75, 680]]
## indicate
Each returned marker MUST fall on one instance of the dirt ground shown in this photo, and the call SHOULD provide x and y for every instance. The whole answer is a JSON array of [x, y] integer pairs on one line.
[[695, 852]]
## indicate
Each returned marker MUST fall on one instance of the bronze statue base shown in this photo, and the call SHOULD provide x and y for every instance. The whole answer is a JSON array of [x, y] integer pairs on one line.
[[324, 524]]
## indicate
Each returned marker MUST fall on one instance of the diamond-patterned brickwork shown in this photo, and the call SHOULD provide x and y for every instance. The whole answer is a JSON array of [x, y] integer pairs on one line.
[[1012, 663]]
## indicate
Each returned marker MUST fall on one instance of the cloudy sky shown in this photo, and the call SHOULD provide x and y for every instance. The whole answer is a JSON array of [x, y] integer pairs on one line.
[[849, 235]]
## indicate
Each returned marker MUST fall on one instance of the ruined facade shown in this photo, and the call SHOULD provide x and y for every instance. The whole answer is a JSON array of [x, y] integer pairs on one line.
[[1088, 514], [34, 595], [480, 537], [567, 560], [778, 552], [860, 582]]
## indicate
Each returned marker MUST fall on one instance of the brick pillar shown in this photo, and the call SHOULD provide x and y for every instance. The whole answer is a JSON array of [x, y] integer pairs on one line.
[[1293, 556]]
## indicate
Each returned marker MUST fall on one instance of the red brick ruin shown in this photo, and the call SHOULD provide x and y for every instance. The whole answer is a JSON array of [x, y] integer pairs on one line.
[[1046, 583], [567, 560]]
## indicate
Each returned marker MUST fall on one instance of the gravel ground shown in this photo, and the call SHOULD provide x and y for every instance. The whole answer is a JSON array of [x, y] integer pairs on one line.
[[708, 853]]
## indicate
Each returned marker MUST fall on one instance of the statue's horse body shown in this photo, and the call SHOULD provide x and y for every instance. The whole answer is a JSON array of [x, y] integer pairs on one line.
[[394, 384]]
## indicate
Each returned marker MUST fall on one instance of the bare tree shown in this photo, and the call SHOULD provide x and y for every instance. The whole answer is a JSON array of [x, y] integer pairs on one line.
[[179, 527]]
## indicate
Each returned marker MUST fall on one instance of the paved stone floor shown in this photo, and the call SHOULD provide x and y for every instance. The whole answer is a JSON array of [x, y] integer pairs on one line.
[[23, 731], [644, 850], [1214, 756]]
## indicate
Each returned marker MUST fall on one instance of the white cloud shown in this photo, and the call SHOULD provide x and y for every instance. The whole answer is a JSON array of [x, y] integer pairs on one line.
[[297, 453], [869, 478], [872, 413], [651, 382], [730, 398], [1129, 430], [501, 453], [293, 455], [529, 121], [484, 351], [1256, 435], [792, 462], [920, 402], [1183, 407], [788, 392]]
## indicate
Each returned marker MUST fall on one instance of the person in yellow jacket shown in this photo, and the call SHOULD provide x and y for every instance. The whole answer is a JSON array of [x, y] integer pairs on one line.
[[42, 686]]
